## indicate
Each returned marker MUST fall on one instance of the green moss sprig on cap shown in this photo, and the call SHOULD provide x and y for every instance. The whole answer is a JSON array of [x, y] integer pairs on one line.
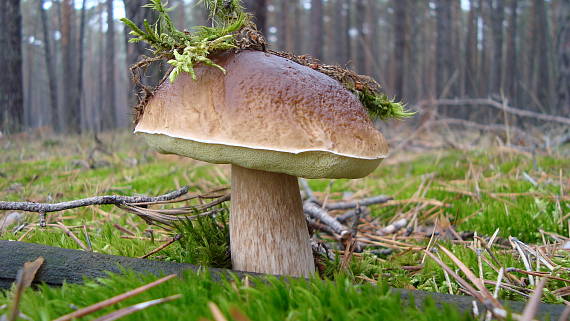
[[233, 29]]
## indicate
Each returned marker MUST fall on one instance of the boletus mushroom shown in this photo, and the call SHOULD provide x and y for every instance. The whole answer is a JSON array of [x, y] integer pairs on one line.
[[273, 120]]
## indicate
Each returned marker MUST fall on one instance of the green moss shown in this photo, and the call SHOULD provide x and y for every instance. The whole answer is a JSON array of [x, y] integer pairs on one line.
[[269, 299], [59, 177]]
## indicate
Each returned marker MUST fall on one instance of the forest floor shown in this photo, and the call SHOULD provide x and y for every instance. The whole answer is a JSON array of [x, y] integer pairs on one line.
[[501, 211]]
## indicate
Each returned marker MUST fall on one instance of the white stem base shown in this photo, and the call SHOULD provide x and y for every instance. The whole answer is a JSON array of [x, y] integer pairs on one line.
[[268, 231]]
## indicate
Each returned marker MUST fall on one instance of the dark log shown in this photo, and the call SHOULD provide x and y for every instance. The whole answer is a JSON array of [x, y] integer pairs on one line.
[[72, 266]]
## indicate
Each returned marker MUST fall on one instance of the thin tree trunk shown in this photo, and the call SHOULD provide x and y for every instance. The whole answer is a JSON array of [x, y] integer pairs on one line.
[[259, 10], [317, 33], [563, 50], [283, 35], [544, 81], [79, 94], [361, 38], [497, 16], [412, 89], [512, 73], [52, 80], [338, 27], [443, 45], [400, 39], [371, 36], [346, 34], [483, 74], [71, 118], [99, 110], [298, 43], [457, 62], [180, 15], [11, 77], [199, 14], [471, 52], [109, 117]]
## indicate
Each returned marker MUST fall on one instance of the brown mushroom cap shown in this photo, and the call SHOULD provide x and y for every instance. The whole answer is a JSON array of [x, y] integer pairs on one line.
[[266, 113]]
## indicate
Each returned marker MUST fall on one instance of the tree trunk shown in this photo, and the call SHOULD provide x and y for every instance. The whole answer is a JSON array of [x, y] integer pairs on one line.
[[512, 73], [412, 88], [109, 117], [338, 27], [371, 35], [297, 28], [346, 34], [443, 46], [199, 12], [52, 80], [180, 15], [497, 16], [70, 115], [79, 93], [283, 32], [544, 88], [361, 37], [259, 10], [471, 52], [11, 86], [400, 39], [563, 50], [483, 69], [317, 33], [456, 69], [137, 14]]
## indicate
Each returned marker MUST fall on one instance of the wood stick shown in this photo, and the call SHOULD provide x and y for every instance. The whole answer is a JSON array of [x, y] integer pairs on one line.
[[97, 200], [318, 213], [70, 234], [160, 248], [351, 213], [363, 202], [492, 103], [540, 274]]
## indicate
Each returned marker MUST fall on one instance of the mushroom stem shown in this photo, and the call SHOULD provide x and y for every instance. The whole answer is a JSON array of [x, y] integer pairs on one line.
[[268, 231]]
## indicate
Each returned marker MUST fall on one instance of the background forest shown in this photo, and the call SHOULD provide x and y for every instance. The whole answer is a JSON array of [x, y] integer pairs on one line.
[[71, 72]]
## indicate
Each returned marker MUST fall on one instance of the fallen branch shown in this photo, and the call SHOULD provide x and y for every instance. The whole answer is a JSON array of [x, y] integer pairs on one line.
[[350, 214], [495, 104], [393, 228], [97, 200], [364, 202], [318, 213], [488, 128]]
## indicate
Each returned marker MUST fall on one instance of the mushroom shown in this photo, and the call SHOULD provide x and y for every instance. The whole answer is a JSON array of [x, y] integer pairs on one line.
[[273, 120]]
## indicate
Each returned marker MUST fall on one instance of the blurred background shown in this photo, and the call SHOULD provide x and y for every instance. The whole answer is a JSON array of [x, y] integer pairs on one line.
[[64, 63]]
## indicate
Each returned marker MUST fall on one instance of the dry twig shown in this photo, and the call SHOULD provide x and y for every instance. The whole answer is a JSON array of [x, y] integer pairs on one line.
[[97, 200]]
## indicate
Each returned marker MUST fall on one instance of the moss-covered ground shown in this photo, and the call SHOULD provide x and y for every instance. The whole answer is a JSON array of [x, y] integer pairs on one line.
[[483, 189]]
